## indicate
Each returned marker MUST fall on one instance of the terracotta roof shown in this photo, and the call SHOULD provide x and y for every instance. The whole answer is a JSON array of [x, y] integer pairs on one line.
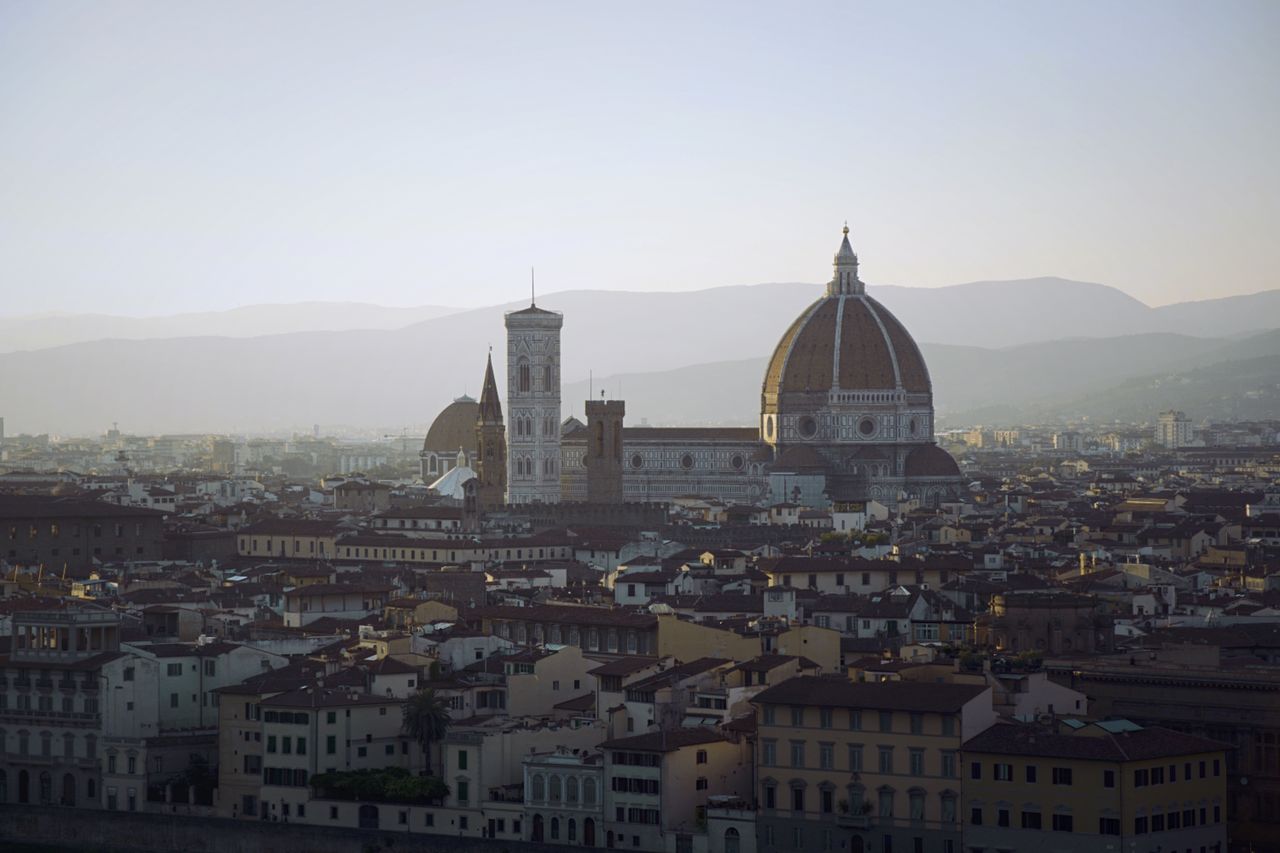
[[623, 666], [585, 702], [1132, 745], [44, 506], [568, 614], [812, 690], [665, 741]]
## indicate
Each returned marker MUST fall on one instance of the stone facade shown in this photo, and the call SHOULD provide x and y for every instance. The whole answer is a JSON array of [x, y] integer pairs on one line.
[[533, 405], [603, 455]]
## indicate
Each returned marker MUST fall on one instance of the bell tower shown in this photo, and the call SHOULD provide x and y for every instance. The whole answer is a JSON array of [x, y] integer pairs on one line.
[[491, 446], [533, 405]]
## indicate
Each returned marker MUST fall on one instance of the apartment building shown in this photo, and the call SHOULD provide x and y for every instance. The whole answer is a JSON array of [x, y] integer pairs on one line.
[[845, 575], [55, 531], [657, 785], [849, 766], [1105, 786]]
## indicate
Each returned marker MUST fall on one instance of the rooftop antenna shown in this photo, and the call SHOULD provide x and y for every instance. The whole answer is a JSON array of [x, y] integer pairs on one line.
[[533, 292], [591, 389]]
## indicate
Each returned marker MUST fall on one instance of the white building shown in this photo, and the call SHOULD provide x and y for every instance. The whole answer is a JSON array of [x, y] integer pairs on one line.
[[1174, 429]]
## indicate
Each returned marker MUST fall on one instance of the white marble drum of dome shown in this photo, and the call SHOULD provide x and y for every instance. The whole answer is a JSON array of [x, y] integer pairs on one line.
[[846, 373]]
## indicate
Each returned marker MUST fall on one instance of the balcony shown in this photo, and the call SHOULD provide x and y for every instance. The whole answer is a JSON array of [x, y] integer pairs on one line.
[[44, 683], [854, 821]]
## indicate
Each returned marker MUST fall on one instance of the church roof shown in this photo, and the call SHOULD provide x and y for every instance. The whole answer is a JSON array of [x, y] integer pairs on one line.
[[930, 461], [450, 485]]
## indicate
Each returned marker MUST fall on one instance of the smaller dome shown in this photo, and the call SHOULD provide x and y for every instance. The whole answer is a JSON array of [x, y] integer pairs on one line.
[[454, 428], [931, 461]]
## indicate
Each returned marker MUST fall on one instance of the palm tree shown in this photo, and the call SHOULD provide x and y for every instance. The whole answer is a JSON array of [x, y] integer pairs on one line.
[[426, 719]]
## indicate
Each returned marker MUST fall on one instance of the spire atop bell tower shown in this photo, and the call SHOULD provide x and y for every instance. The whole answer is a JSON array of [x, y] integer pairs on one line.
[[845, 280], [490, 405]]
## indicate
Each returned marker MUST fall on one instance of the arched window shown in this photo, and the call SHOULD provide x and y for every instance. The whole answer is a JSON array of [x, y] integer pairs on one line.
[[555, 827], [46, 787], [599, 439], [731, 840], [573, 830], [589, 791], [68, 745], [539, 788], [555, 790], [46, 744], [522, 374], [571, 791], [548, 377]]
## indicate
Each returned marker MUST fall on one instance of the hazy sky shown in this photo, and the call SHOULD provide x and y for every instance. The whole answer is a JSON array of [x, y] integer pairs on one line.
[[160, 157]]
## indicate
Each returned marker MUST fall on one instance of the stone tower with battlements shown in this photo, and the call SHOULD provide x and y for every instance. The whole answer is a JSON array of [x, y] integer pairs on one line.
[[533, 405], [603, 459]]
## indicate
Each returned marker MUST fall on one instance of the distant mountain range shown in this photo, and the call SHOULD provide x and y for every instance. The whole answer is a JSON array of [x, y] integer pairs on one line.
[[980, 313], [1130, 378], [695, 357], [41, 331]]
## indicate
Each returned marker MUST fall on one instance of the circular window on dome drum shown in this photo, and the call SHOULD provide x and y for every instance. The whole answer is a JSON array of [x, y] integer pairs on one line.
[[686, 461], [866, 426], [808, 427], [737, 461], [637, 461]]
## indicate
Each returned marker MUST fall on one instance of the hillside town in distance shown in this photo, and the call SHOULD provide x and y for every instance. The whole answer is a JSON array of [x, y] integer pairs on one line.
[[841, 628]]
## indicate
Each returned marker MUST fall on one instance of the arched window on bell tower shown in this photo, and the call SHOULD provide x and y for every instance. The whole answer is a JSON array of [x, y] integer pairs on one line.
[[522, 375]]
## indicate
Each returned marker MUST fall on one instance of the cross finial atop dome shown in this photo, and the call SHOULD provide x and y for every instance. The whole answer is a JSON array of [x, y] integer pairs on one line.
[[845, 281]]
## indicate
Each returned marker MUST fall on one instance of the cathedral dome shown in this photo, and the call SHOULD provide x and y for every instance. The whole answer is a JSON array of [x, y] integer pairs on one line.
[[454, 428], [846, 373], [846, 342]]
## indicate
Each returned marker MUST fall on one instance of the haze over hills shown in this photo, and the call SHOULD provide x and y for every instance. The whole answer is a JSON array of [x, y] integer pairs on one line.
[[679, 358], [49, 330], [1058, 379], [981, 313]]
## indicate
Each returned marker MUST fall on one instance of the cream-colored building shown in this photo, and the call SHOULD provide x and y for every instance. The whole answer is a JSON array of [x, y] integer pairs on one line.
[[657, 785], [538, 681], [852, 766], [1106, 786]]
